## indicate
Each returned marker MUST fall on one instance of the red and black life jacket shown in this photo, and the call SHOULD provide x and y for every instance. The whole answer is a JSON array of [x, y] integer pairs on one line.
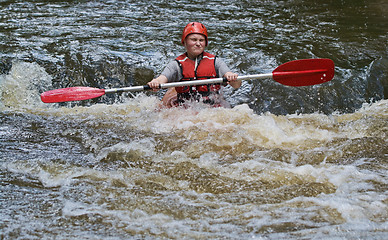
[[205, 69]]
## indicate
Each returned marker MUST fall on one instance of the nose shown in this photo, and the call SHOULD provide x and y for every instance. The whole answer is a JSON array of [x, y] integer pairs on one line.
[[199, 43]]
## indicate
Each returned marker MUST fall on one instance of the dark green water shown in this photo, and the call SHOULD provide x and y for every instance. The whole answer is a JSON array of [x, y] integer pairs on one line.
[[283, 163]]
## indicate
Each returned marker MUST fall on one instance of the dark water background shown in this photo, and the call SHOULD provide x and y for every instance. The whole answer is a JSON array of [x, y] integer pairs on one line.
[[284, 163]]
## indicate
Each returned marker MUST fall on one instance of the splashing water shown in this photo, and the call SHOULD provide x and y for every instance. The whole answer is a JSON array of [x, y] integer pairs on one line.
[[283, 163]]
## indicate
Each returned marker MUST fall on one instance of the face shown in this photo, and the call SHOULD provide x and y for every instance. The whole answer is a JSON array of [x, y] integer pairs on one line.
[[195, 44]]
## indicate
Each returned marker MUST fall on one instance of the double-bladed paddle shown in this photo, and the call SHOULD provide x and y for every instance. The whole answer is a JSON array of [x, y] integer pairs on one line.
[[296, 73]]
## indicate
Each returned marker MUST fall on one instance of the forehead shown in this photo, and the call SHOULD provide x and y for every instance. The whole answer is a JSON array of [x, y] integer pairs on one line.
[[196, 35]]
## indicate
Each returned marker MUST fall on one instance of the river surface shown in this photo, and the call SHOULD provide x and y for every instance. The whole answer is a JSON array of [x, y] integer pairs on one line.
[[282, 163]]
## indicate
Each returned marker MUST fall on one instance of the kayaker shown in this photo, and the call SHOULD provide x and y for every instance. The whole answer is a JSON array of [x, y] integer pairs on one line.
[[195, 64]]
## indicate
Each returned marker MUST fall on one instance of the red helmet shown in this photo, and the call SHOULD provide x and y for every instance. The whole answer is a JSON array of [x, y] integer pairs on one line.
[[194, 27]]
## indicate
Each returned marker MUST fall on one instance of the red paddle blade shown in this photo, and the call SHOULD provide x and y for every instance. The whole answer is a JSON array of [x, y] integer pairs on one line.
[[304, 72], [71, 94]]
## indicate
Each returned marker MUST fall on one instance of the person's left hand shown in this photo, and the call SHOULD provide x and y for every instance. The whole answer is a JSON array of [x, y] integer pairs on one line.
[[231, 76], [232, 79]]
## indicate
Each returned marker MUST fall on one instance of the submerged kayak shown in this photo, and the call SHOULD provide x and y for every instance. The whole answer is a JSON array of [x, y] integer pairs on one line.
[[170, 99]]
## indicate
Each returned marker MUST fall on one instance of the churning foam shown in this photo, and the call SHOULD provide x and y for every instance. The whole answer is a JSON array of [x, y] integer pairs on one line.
[[20, 87]]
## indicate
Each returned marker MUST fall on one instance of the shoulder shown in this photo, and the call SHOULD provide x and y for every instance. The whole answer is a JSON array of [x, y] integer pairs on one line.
[[171, 67], [219, 61], [181, 57]]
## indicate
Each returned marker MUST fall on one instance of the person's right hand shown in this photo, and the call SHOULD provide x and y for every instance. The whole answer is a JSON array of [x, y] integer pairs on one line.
[[155, 83]]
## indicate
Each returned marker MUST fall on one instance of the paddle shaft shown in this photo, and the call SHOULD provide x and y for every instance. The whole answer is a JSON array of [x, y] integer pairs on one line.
[[187, 83], [215, 80]]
